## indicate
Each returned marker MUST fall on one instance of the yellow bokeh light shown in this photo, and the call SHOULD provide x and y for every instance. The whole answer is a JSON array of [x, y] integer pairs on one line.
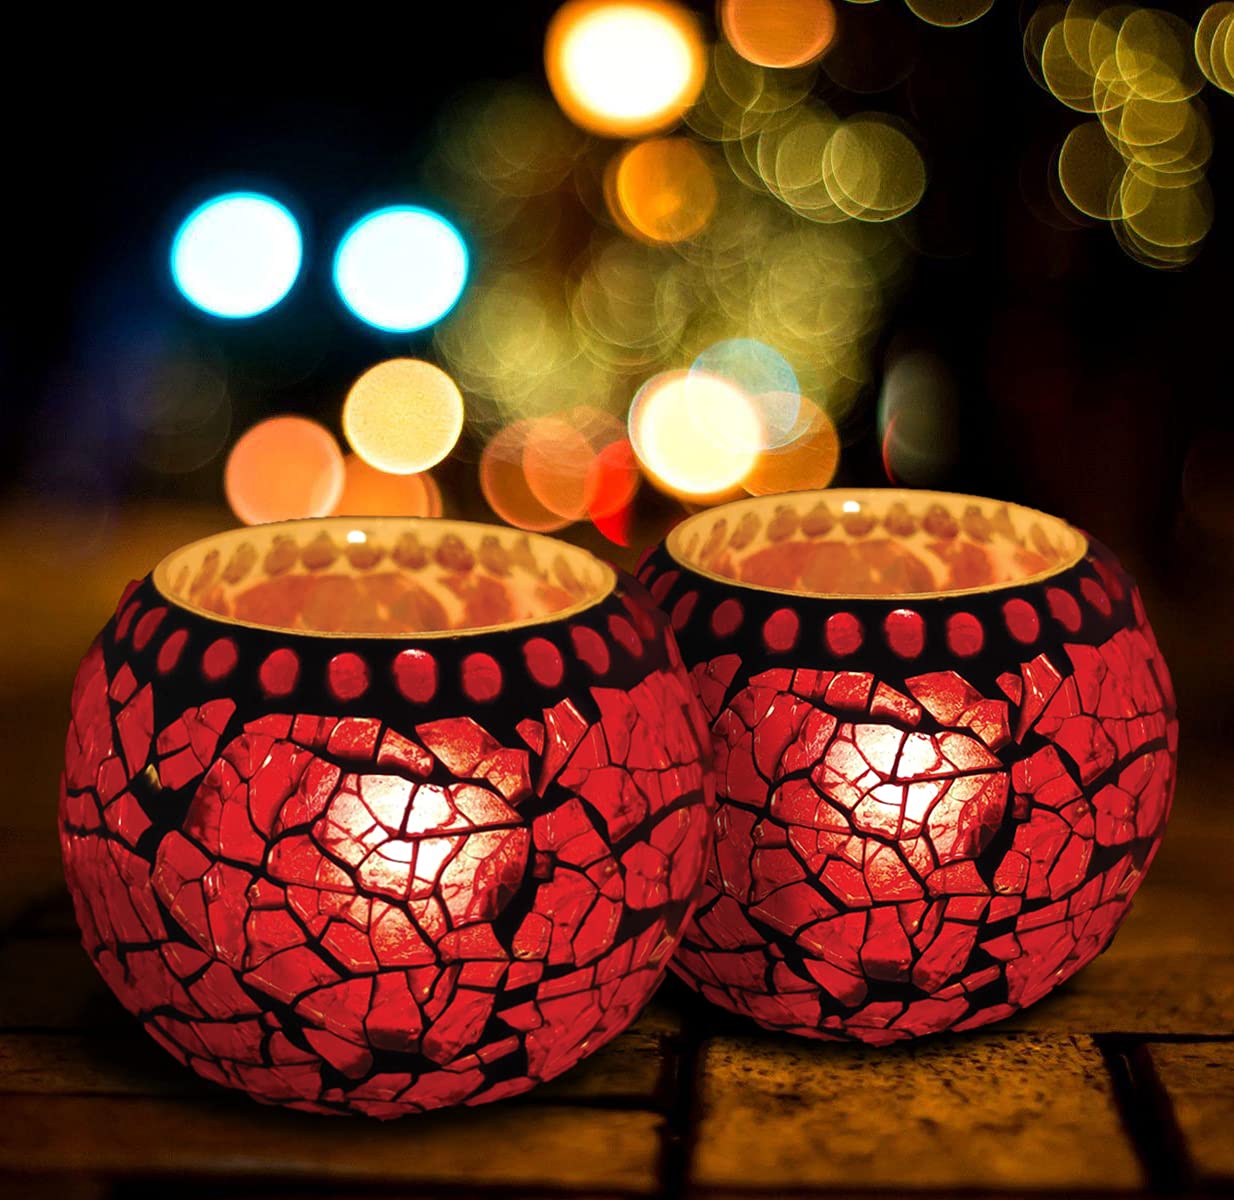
[[624, 69], [1090, 171], [662, 190], [1214, 47], [872, 170], [283, 468], [950, 13], [404, 415], [809, 460], [696, 434], [778, 33]]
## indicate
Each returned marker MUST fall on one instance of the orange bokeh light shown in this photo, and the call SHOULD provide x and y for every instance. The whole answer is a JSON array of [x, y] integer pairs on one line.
[[503, 481], [556, 460], [778, 33], [623, 68], [284, 468], [661, 190], [368, 492], [808, 460]]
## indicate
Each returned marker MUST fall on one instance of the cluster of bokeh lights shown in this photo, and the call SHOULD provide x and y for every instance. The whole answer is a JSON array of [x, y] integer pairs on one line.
[[670, 272]]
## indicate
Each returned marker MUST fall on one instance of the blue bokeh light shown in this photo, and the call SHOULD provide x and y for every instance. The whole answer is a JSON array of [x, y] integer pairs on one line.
[[237, 255], [401, 268], [767, 379]]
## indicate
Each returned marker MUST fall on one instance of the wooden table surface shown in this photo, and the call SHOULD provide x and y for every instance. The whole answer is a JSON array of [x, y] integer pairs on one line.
[[1122, 1083]]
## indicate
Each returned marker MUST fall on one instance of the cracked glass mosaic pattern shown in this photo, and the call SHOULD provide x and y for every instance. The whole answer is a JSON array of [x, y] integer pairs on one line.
[[386, 878], [931, 811]]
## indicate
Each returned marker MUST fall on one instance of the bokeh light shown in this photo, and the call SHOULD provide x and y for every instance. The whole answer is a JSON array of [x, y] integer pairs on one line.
[[766, 379], [403, 415], [918, 418], [237, 255], [503, 480], [556, 460], [624, 69], [368, 492], [808, 460], [872, 170], [401, 268], [696, 434], [778, 33], [283, 468], [662, 190], [950, 13], [1214, 47]]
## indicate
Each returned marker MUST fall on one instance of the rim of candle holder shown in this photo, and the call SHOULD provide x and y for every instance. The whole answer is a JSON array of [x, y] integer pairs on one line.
[[1080, 542], [604, 588]]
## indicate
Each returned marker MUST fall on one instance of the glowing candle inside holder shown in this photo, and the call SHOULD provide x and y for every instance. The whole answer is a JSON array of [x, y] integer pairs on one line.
[[373, 814], [945, 748]]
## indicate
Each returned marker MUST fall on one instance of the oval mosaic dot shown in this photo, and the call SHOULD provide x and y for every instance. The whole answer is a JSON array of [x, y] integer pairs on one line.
[[126, 619], [590, 648], [1021, 620], [347, 676], [843, 634], [662, 585], [1096, 596], [780, 630], [1064, 608], [683, 610], [544, 662], [641, 617], [279, 672], [219, 659], [965, 635], [145, 628], [415, 675], [905, 632], [625, 635], [481, 677], [727, 618], [170, 651]]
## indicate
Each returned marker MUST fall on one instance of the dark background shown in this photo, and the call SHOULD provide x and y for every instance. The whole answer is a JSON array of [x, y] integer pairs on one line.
[[1089, 384]]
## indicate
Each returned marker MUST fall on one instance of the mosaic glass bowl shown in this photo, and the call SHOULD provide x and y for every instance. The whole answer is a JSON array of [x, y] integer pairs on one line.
[[382, 815], [945, 749]]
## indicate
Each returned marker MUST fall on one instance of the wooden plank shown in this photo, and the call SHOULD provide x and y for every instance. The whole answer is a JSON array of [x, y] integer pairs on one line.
[[1199, 1080], [50, 983], [125, 1061], [511, 1144], [979, 1112], [1169, 970], [111, 1063]]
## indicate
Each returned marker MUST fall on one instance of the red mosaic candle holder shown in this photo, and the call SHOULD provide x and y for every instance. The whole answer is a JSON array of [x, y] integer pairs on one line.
[[383, 815], [945, 747]]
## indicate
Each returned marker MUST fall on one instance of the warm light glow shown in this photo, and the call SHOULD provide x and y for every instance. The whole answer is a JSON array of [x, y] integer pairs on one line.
[[368, 492], [809, 460], [696, 434], [556, 460], [872, 170], [950, 12], [403, 415], [623, 69], [767, 380], [401, 268], [503, 481], [778, 33], [356, 537], [237, 255], [283, 468], [663, 190]]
